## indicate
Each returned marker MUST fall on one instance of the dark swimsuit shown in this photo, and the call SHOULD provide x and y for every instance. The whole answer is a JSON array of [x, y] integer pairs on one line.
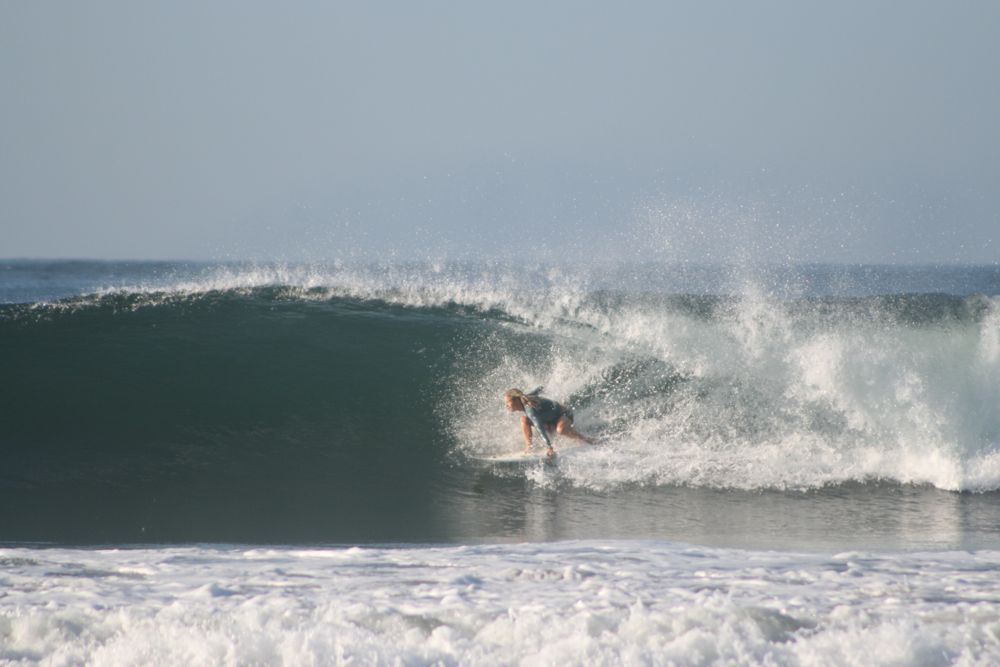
[[546, 413]]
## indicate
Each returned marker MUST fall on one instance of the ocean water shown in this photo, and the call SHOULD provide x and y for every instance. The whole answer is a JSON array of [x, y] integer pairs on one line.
[[237, 464]]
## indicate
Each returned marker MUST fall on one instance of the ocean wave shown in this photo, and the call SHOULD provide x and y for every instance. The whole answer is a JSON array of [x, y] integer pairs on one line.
[[259, 380]]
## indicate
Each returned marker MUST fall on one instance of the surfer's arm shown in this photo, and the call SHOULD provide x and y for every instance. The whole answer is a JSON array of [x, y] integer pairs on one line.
[[530, 412]]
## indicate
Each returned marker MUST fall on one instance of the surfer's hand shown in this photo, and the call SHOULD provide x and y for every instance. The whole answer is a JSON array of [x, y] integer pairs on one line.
[[551, 453]]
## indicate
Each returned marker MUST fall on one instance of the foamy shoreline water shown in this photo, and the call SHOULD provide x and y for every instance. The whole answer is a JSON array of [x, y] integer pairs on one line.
[[596, 602]]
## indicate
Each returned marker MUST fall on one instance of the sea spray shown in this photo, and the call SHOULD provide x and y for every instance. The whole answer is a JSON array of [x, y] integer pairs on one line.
[[752, 392]]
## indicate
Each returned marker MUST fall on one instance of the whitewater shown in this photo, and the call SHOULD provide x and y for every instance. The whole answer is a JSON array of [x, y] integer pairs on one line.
[[274, 463], [607, 603]]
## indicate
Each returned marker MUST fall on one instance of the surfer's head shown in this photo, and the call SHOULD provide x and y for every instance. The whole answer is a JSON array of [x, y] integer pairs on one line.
[[512, 399], [515, 400]]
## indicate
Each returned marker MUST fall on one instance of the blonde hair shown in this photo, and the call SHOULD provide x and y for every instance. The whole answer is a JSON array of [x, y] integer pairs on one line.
[[529, 399]]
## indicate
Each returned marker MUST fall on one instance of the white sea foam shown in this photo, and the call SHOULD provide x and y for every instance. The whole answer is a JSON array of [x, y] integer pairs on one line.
[[604, 603], [765, 398]]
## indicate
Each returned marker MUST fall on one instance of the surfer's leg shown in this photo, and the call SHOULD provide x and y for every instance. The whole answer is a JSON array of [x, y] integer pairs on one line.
[[565, 427]]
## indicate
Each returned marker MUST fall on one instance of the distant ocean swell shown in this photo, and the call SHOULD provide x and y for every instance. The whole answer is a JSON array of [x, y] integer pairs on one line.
[[363, 395]]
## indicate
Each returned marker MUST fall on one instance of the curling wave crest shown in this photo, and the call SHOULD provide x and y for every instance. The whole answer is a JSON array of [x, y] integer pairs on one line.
[[688, 378]]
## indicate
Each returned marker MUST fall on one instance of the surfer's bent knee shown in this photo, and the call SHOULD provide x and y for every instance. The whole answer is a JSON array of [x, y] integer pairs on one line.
[[564, 423]]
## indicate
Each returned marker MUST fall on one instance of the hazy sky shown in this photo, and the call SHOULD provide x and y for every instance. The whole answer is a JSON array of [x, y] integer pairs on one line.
[[858, 131]]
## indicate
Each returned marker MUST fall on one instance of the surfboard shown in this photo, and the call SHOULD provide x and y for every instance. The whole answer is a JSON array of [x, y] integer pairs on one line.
[[535, 455]]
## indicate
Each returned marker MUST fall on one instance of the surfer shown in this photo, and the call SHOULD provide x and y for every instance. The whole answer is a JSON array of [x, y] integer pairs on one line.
[[545, 415]]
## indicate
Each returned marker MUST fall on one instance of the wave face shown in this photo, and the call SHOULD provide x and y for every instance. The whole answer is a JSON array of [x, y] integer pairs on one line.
[[223, 400], [258, 404]]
